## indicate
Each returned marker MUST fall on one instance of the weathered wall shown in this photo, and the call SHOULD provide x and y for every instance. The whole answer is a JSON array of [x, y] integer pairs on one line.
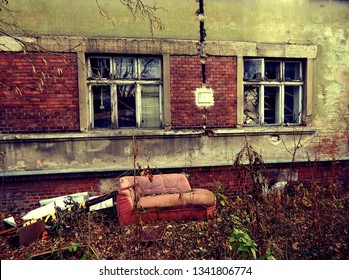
[[88, 152], [324, 23], [234, 29]]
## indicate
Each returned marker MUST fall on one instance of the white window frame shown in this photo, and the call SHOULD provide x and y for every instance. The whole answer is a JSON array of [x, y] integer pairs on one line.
[[262, 83], [114, 82]]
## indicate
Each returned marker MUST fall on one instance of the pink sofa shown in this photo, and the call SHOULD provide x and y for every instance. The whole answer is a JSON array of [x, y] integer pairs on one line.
[[167, 196]]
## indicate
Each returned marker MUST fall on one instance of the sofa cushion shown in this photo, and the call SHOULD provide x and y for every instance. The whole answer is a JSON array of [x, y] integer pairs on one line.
[[194, 198]]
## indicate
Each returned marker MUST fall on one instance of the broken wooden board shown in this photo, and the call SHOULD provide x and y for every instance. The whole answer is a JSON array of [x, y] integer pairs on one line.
[[102, 205], [77, 197], [9, 222]]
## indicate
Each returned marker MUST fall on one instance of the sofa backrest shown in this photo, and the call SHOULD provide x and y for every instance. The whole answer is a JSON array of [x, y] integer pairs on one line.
[[176, 183], [160, 184]]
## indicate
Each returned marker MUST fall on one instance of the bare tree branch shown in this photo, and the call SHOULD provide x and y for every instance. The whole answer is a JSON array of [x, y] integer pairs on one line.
[[138, 10], [104, 13]]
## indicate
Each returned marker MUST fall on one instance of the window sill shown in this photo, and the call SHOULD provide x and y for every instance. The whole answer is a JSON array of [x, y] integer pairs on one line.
[[155, 133], [265, 130], [101, 134]]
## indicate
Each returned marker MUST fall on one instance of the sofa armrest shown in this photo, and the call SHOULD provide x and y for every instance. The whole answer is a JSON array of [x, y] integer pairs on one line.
[[125, 201]]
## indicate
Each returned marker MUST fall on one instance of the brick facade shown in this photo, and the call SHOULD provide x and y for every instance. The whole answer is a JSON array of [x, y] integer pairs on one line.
[[186, 76], [21, 194], [39, 92]]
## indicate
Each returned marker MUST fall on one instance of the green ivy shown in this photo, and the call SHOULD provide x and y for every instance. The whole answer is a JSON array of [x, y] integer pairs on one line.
[[243, 243]]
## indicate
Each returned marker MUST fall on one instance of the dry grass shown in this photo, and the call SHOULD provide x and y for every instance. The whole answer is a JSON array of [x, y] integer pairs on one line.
[[305, 223]]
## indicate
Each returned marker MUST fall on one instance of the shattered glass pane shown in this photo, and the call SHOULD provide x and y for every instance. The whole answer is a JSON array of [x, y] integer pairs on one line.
[[251, 104], [253, 69], [292, 108], [271, 105], [150, 68], [101, 106], [126, 96], [100, 67], [292, 71], [272, 70], [150, 106], [125, 68]]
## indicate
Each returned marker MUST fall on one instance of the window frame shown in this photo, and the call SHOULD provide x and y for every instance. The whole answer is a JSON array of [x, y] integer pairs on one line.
[[113, 82], [262, 83]]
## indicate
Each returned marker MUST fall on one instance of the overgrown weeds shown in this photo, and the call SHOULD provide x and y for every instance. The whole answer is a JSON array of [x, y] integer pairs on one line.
[[301, 221], [305, 223]]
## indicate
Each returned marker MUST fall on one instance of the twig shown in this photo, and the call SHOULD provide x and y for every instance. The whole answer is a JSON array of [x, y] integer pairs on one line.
[[141, 10]]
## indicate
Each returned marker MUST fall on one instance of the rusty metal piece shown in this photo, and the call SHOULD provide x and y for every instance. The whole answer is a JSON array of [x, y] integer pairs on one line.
[[6, 231], [31, 233], [151, 235]]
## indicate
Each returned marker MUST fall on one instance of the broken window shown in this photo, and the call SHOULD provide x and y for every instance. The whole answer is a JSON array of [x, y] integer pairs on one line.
[[272, 70], [271, 104], [150, 106], [272, 91], [292, 104], [253, 69], [101, 106], [125, 91], [293, 71], [99, 67], [126, 96], [251, 104]]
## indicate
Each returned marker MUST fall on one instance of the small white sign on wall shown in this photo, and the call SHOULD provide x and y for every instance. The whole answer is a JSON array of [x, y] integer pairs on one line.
[[204, 97]]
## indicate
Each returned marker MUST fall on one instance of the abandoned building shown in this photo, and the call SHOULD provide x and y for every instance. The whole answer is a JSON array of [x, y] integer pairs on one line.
[[90, 91]]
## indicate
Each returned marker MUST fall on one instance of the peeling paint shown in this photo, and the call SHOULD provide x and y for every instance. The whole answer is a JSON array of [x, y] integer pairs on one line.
[[20, 165], [8, 43]]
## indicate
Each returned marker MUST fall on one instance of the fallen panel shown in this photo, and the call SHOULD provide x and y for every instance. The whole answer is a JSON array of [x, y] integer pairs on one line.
[[31, 233], [78, 197]]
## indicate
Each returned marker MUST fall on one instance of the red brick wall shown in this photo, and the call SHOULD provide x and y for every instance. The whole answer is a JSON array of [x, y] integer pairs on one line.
[[226, 176], [23, 194], [185, 78], [38, 92]]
